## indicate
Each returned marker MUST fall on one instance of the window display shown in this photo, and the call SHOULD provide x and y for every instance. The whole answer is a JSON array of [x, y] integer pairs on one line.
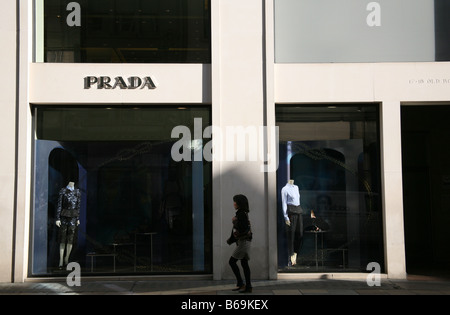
[[109, 196], [328, 185]]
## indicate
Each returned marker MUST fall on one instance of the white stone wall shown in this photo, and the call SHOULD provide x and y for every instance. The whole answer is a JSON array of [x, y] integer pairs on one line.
[[243, 86]]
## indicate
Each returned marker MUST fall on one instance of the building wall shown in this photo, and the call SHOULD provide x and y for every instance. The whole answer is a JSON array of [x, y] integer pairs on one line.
[[243, 86], [7, 130], [391, 84], [236, 96], [238, 100]]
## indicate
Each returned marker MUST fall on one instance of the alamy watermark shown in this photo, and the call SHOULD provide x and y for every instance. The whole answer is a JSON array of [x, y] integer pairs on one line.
[[73, 279], [74, 17], [373, 18], [230, 143], [374, 278]]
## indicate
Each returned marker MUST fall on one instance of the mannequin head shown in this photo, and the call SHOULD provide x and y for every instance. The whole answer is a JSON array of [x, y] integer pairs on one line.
[[291, 181]]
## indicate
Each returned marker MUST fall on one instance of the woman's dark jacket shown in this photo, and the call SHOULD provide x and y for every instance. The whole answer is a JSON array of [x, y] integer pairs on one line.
[[241, 228]]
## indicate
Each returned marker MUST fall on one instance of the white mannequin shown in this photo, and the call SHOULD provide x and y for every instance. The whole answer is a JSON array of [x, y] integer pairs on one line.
[[62, 246], [291, 191], [68, 248], [290, 182], [289, 186]]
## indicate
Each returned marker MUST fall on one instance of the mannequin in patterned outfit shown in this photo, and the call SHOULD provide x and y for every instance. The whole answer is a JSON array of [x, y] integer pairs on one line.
[[67, 220]]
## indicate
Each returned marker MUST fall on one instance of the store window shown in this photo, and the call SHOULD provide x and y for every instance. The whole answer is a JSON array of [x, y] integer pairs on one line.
[[125, 31], [328, 188], [310, 31], [109, 195]]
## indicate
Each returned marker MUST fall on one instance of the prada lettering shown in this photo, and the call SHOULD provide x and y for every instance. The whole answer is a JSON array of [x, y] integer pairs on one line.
[[107, 83]]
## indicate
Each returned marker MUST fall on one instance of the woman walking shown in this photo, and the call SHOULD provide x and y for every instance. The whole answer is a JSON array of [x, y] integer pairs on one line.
[[242, 236]]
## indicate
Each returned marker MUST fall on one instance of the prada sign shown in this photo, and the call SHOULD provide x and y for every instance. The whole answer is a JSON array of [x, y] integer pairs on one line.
[[130, 83]]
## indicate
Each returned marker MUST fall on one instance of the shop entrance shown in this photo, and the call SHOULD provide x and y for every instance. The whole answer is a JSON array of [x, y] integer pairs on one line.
[[426, 189]]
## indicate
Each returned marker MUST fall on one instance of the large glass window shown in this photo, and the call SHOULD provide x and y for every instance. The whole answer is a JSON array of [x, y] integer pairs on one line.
[[112, 194], [312, 31], [127, 31], [330, 166]]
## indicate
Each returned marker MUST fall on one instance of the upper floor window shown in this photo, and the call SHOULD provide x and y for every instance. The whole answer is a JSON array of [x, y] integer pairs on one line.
[[126, 31], [310, 31]]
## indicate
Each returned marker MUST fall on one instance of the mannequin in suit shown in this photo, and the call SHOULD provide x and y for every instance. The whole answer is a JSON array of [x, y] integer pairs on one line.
[[67, 220], [292, 212]]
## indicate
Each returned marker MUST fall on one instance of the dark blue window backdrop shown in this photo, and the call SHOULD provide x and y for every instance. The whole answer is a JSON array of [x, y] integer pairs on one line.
[[332, 154], [127, 31]]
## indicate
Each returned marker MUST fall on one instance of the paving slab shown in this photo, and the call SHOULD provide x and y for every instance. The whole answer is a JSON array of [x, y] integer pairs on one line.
[[224, 287]]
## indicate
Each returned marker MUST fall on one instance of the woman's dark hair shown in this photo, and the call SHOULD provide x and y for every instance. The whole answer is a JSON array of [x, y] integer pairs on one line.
[[242, 202]]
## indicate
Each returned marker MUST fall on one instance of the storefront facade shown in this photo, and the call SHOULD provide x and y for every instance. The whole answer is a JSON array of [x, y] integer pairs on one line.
[[160, 112]]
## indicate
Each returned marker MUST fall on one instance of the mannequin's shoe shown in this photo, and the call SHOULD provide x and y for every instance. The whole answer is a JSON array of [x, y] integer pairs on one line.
[[294, 259]]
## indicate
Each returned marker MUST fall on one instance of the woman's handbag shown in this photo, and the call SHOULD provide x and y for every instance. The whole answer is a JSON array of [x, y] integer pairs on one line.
[[235, 235], [231, 239]]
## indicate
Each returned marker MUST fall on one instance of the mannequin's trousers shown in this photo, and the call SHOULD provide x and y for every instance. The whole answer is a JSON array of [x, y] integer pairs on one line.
[[295, 233]]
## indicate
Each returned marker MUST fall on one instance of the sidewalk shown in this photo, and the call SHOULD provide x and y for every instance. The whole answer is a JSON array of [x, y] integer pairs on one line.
[[419, 286]]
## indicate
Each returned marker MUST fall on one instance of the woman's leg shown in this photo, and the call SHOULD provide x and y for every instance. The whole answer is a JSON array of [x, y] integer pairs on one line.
[[236, 272], [246, 268]]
